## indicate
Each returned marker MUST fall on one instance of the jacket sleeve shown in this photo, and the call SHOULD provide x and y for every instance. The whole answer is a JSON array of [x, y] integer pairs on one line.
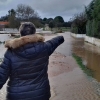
[[54, 43], [4, 69]]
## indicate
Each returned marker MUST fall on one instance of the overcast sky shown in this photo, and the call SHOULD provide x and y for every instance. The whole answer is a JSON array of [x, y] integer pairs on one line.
[[47, 8]]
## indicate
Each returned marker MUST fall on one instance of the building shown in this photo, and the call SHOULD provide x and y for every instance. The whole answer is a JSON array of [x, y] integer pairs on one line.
[[3, 24]]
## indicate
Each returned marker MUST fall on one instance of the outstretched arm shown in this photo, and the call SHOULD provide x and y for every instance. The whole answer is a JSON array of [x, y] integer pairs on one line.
[[4, 69], [54, 43]]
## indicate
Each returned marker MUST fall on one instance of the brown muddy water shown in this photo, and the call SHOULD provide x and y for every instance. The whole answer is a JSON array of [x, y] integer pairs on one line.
[[90, 55]]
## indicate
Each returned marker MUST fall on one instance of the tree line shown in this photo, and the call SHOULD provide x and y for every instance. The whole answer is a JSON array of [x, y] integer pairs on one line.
[[93, 19], [27, 13], [88, 22]]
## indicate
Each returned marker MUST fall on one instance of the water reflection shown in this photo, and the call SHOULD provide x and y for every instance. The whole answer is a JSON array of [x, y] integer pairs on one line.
[[90, 55]]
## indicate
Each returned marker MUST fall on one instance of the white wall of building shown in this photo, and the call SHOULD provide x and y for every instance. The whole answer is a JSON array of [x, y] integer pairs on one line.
[[93, 40]]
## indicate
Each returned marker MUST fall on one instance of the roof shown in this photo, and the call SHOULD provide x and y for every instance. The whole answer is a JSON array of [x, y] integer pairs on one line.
[[4, 23]]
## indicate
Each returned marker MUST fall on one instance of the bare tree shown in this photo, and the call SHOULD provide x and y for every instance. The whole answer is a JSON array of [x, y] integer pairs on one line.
[[25, 12], [20, 11], [29, 12], [79, 23]]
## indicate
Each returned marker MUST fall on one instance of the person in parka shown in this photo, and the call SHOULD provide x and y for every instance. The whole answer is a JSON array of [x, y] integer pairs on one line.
[[25, 64]]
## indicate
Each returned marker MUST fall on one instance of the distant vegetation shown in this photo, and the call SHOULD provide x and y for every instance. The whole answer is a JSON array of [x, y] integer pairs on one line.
[[27, 13], [79, 24]]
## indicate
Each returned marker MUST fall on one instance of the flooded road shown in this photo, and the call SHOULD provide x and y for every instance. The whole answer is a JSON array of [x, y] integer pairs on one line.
[[89, 53], [67, 80]]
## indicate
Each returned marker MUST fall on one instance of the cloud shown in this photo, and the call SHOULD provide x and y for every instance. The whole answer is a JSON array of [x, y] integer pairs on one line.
[[48, 8], [60, 7], [4, 4], [3, 0]]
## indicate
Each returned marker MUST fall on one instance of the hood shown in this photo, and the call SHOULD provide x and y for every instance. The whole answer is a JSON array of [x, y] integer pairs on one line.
[[18, 42]]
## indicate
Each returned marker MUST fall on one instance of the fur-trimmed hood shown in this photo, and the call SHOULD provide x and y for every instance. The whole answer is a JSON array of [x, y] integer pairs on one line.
[[18, 42]]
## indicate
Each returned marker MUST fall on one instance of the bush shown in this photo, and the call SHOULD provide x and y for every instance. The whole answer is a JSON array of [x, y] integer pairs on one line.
[[74, 30], [93, 15]]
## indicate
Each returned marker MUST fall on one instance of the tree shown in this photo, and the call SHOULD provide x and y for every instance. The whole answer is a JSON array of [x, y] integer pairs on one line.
[[11, 12], [89, 9], [25, 12], [96, 9], [12, 18], [4, 18], [13, 21], [45, 19], [93, 16], [67, 24], [58, 21], [79, 23], [37, 22], [51, 25], [49, 20]]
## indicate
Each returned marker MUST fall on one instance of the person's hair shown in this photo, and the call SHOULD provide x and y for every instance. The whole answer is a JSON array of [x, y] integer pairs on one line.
[[27, 28]]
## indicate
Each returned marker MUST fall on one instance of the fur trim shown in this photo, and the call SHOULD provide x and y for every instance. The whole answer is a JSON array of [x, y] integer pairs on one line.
[[18, 42]]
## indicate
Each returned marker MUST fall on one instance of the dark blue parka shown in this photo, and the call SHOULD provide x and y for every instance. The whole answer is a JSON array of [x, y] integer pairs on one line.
[[26, 68]]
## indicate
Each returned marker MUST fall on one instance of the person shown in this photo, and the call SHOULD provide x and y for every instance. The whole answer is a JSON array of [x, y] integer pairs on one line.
[[25, 64]]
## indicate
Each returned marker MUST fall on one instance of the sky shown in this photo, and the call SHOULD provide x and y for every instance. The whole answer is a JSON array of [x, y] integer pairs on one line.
[[47, 8]]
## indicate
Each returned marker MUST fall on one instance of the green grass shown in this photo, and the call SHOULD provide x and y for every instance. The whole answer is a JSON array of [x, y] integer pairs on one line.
[[61, 29], [40, 34], [83, 67], [65, 29]]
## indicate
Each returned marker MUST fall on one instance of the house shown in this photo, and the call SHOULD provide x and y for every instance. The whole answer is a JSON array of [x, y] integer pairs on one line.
[[3, 24]]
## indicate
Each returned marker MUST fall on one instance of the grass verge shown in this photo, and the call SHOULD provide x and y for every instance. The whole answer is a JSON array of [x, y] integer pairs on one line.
[[82, 66]]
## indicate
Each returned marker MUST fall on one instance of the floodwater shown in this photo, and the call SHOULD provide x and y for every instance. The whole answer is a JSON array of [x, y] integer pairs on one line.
[[89, 53]]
